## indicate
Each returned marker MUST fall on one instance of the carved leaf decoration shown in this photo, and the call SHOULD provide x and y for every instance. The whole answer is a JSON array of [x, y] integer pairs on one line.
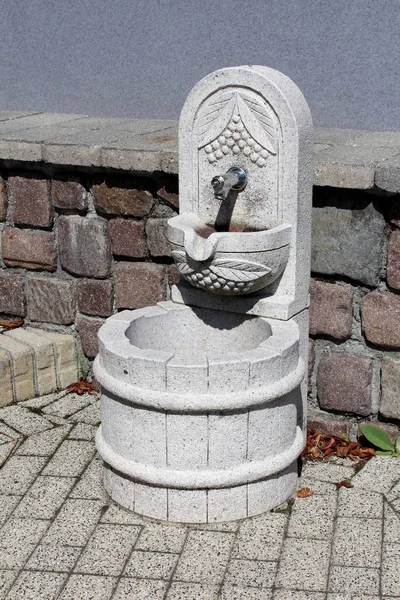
[[181, 263], [237, 270], [255, 126], [216, 119]]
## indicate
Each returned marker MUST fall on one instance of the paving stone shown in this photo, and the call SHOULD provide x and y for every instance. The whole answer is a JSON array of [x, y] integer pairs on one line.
[[127, 238], [95, 297], [157, 238], [88, 329], [304, 565], [90, 415], [84, 246], [390, 383], [293, 595], [193, 591], [331, 309], [51, 300], [357, 542], [74, 523], [108, 549], [12, 296], [161, 537], [5, 451], [53, 558], [17, 475], [7, 505], [387, 176], [68, 193], [20, 531], [126, 201], [44, 497], [393, 263], [390, 570], [391, 526], [150, 565], [70, 459], [380, 315], [66, 357], [354, 580], [6, 580], [68, 405], [3, 200], [117, 514], [90, 484], [140, 589], [88, 587], [138, 284], [313, 517], [44, 443], [29, 249], [260, 538], [82, 431], [23, 420], [232, 526], [352, 597], [6, 376], [31, 585], [344, 383], [360, 503], [204, 557], [327, 472], [31, 204], [379, 474], [14, 557], [326, 424], [251, 573]]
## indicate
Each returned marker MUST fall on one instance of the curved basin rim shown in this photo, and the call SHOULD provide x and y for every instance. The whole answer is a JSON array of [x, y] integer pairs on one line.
[[200, 479], [192, 403]]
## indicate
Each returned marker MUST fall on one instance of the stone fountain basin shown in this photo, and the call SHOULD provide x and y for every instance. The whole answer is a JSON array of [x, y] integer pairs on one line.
[[224, 262]]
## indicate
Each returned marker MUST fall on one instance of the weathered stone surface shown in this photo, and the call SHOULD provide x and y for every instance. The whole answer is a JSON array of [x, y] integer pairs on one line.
[[138, 284], [30, 198], [391, 430], [390, 388], [380, 313], [12, 297], [393, 266], [328, 425], [173, 275], [29, 249], [157, 240], [51, 300], [387, 176], [95, 297], [162, 211], [88, 329], [84, 246], [68, 193], [127, 238], [115, 200], [311, 359], [330, 309], [169, 197], [3, 200], [344, 383], [348, 237]]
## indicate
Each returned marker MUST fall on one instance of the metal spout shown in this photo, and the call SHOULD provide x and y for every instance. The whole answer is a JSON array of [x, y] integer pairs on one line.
[[234, 179]]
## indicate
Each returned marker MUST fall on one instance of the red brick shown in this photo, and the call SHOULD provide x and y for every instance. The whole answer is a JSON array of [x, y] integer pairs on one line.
[[169, 197], [331, 309], [84, 246], [157, 240], [139, 284], [127, 238], [12, 297], [393, 266], [390, 388], [29, 249], [95, 297], [391, 430], [69, 194], [328, 425], [115, 200], [3, 200], [51, 300], [344, 383], [380, 313], [30, 201], [88, 329]]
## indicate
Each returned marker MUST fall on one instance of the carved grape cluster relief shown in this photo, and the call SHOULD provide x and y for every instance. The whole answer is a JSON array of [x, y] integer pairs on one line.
[[236, 122]]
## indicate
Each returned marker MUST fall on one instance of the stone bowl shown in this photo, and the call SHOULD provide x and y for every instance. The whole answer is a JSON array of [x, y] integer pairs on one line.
[[227, 263]]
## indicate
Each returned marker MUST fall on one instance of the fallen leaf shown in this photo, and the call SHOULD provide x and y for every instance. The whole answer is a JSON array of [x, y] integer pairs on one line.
[[304, 493], [344, 483], [321, 446], [11, 324], [82, 386]]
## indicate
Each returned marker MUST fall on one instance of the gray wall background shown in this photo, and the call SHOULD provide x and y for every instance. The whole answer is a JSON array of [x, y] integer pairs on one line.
[[140, 58]]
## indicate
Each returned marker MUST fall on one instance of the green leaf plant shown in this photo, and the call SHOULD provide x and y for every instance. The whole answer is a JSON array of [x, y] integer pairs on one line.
[[381, 440]]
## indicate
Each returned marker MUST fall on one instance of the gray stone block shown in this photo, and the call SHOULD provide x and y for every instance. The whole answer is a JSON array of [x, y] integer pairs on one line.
[[387, 176]]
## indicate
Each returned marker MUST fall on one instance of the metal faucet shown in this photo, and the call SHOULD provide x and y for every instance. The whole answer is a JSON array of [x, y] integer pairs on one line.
[[234, 179]]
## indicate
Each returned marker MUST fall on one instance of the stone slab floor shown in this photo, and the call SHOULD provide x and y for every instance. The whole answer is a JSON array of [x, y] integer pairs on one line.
[[61, 537]]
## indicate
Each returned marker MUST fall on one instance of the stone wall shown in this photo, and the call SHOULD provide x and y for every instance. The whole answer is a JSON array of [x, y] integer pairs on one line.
[[83, 235]]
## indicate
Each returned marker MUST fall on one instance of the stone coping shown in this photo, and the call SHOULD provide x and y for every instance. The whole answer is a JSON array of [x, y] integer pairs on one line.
[[344, 158]]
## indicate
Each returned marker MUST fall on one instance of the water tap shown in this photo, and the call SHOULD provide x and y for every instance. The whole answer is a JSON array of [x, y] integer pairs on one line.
[[234, 179]]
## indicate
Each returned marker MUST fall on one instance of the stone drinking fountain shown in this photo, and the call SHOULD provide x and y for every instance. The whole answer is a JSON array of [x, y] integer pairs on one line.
[[204, 396]]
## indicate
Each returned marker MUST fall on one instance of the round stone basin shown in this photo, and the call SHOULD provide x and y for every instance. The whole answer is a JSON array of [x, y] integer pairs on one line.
[[196, 331]]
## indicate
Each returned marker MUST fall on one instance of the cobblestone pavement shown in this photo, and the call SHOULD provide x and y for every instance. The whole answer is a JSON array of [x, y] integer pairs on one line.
[[62, 537]]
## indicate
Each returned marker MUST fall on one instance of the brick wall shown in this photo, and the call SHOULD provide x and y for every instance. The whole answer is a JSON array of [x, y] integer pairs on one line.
[[77, 246]]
